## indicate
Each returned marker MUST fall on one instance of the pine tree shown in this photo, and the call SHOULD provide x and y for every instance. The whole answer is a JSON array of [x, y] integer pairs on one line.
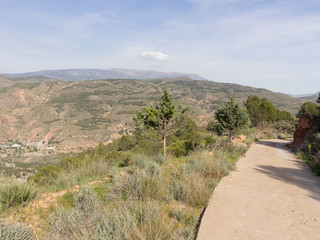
[[162, 120], [308, 108], [231, 117]]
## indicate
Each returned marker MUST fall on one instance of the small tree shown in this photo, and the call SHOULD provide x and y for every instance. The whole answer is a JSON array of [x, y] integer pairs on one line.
[[230, 118], [162, 120], [253, 104]]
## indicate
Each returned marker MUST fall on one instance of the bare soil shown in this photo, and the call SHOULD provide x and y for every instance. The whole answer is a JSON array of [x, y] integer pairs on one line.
[[271, 195]]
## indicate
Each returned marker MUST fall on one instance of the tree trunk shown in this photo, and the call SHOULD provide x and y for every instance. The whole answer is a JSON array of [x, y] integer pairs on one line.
[[164, 146]]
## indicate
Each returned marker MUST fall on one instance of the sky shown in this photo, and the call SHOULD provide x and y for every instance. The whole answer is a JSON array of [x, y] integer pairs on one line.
[[272, 44]]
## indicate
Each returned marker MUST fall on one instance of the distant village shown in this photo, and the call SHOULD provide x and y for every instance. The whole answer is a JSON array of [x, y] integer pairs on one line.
[[18, 149]]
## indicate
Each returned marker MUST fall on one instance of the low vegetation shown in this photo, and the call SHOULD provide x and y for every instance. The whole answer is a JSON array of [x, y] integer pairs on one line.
[[130, 189], [15, 231], [127, 189], [15, 194]]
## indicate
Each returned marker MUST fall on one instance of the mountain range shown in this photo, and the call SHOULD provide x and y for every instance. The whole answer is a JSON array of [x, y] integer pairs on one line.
[[94, 74]]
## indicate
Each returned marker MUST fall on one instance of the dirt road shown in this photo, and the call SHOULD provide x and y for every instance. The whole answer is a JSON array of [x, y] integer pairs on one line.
[[271, 195]]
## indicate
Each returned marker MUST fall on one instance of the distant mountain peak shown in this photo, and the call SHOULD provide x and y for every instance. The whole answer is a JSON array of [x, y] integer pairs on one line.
[[79, 74]]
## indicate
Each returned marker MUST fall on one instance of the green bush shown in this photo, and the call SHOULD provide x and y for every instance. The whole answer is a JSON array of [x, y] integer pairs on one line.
[[122, 159], [126, 142], [210, 142], [69, 163], [15, 231], [67, 200], [178, 149], [15, 194], [46, 175]]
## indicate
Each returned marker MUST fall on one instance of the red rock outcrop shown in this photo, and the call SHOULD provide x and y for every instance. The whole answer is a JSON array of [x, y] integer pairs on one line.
[[306, 126]]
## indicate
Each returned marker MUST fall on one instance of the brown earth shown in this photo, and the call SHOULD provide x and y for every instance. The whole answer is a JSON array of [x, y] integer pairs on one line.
[[271, 195]]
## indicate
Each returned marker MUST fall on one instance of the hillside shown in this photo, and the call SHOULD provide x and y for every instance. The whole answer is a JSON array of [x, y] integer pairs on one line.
[[6, 81], [312, 97], [75, 115], [113, 73]]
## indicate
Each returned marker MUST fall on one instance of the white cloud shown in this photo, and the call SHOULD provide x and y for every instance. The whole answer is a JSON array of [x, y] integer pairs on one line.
[[152, 55]]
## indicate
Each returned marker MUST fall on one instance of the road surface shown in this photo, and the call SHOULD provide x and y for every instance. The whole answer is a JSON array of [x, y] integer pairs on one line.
[[270, 195]]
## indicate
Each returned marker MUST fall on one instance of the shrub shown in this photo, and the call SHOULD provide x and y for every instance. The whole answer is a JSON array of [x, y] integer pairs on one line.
[[122, 159], [126, 143], [69, 163], [154, 223], [116, 225], [179, 190], [67, 200], [46, 175], [73, 223], [141, 161], [159, 158], [14, 194], [178, 148], [210, 142], [139, 184], [15, 231]]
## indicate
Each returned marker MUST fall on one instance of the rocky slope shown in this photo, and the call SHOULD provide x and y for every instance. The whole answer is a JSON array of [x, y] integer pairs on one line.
[[73, 115]]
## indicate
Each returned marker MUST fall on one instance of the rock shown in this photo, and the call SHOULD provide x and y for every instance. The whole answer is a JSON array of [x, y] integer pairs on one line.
[[307, 125], [238, 139]]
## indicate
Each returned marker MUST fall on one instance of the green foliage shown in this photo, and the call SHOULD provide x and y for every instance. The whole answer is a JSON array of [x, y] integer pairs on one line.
[[253, 106], [66, 200], [126, 142], [285, 127], [268, 111], [178, 148], [15, 194], [262, 111], [231, 117], [210, 142], [15, 231], [159, 158], [308, 108], [312, 161], [69, 163], [190, 134], [283, 116], [215, 127], [163, 120], [46, 175], [122, 159]]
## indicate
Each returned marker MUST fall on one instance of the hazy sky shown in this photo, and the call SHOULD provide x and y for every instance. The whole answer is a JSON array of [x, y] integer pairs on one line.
[[268, 44]]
